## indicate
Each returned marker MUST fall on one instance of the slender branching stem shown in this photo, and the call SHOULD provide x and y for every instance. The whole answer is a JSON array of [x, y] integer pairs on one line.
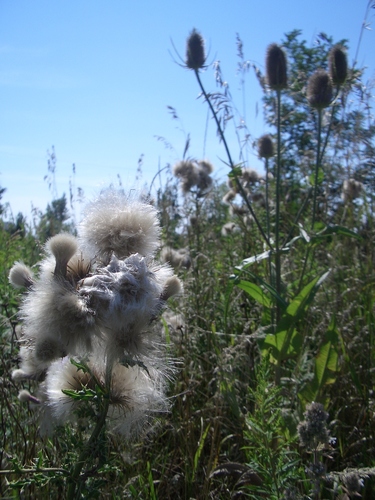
[[231, 164]]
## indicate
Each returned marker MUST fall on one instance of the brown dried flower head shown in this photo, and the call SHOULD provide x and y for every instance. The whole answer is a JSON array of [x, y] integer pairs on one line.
[[338, 65], [319, 89], [195, 52], [276, 71], [265, 146]]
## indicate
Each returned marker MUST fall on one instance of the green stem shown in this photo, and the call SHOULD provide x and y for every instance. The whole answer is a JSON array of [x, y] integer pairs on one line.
[[87, 449], [231, 164], [317, 165], [278, 193]]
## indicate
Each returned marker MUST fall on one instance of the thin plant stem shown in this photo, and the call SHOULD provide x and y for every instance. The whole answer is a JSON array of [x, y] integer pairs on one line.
[[317, 165], [278, 193], [231, 164]]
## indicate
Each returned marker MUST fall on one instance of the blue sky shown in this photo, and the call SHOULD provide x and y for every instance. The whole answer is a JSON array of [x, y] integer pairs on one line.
[[94, 79]]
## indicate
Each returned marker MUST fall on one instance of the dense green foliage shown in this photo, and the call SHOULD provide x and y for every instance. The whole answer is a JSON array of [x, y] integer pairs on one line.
[[268, 323]]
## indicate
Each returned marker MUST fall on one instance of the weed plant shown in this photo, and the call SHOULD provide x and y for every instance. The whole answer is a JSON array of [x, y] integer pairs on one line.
[[273, 397]]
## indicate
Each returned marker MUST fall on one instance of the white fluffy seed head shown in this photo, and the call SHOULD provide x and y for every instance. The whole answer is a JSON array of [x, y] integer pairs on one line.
[[21, 276], [63, 246], [18, 375], [24, 396], [172, 287], [120, 225]]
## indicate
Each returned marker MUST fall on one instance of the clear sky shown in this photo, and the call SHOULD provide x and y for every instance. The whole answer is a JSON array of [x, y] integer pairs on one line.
[[93, 78]]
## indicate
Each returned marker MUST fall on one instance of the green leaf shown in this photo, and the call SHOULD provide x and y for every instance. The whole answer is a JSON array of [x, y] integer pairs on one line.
[[320, 178], [326, 366], [299, 304], [255, 292], [235, 172]]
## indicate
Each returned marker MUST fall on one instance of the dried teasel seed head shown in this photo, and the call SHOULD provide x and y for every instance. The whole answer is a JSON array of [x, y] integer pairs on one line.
[[195, 52], [319, 89], [265, 146], [338, 65], [276, 70]]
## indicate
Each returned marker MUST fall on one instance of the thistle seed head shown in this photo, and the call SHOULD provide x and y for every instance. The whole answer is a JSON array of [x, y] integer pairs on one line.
[[21, 276], [276, 70], [195, 52], [338, 65], [319, 90], [63, 246]]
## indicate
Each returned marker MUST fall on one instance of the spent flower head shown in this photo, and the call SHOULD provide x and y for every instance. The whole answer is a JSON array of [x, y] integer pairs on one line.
[[195, 51], [96, 300], [265, 146], [338, 65], [276, 67], [319, 90]]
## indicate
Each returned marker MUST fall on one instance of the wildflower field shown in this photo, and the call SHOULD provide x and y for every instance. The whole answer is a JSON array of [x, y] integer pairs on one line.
[[208, 338]]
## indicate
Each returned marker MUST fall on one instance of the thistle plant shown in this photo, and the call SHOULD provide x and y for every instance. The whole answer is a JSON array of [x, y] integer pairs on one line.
[[90, 335]]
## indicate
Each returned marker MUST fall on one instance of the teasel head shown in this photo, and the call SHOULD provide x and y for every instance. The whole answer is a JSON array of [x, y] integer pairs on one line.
[[265, 146], [319, 90], [338, 65], [195, 51], [276, 67]]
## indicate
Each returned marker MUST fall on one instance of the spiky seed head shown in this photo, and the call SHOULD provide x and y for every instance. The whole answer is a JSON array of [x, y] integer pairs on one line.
[[195, 51], [21, 276], [276, 70], [338, 65], [265, 146], [319, 89]]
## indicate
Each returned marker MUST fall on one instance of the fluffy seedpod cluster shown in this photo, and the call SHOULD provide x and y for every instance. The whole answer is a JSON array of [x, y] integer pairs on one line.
[[194, 175], [178, 259], [95, 300], [251, 181]]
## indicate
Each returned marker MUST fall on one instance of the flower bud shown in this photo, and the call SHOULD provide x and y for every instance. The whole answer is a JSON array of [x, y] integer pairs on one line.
[[276, 67], [195, 53], [319, 89], [338, 65]]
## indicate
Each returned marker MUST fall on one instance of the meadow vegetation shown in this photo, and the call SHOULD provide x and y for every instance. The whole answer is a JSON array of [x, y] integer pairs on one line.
[[273, 338]]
